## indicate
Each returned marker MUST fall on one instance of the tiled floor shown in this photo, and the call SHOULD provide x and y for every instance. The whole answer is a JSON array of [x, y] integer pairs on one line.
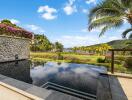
[[127, 86]]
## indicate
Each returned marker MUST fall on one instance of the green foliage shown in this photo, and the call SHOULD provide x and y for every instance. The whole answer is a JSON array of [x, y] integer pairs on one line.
[[100, 49], [8, 22], [59, 56], [10, 29], [100, 60], [128, 62], [124, 34], [120, 58], [116, 44], [58, 47], [41, 43], [110, 14]]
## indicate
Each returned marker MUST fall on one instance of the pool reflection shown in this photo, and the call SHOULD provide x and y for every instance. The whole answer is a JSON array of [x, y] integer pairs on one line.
[[81, 77]]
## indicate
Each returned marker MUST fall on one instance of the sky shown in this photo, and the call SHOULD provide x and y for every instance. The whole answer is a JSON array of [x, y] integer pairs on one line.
[[65, 21]]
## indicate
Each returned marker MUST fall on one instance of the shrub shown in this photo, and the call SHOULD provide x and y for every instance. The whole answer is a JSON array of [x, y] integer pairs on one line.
[[128, 62], [14, 31], [59, 56], [75, 59], [100, 60], [117, 62], [121, 58]]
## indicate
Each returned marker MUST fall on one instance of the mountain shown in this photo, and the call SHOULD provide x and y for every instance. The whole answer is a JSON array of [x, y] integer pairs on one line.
[[118, 44]]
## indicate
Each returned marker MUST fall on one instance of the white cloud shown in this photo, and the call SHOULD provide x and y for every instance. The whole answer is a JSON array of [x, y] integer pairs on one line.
[[47, 12], [90, 1], [14, 21], [85, 11], [70, 8], [35, 28], [76, 40], [114, 38], [86, 39]]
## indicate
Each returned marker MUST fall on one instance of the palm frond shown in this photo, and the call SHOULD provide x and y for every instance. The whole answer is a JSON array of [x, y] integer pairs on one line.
[[104, 30], [124, 34], [107, 8], [130, 36], [110, 13], [106, 21], [127, 3]]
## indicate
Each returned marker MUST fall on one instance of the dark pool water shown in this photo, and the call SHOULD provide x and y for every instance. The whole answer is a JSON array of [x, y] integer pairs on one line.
[[82, 77]]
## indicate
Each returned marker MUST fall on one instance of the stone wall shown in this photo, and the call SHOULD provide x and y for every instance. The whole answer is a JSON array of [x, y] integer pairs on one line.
[[11, 46]]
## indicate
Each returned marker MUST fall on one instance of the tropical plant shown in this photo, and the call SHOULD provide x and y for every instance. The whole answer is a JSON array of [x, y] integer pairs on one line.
[[41, 43], [58, 47], [111, 14], [100, 60], [101, 49]]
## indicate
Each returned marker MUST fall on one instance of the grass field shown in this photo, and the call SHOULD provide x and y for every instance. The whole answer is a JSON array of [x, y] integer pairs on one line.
[[75, 58], [68, 56]]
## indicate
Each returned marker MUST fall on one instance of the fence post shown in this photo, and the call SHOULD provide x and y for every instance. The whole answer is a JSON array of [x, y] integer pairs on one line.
[[112, 62]]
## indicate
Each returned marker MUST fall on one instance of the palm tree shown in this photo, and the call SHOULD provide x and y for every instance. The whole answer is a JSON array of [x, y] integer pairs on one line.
[[111, 14]]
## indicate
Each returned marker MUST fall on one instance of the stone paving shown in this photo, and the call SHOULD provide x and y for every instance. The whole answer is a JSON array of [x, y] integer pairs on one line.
[[125, 80], [127, 86]]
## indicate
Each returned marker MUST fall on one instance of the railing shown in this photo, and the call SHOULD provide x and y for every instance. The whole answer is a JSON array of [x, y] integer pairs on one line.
[[73, 92]]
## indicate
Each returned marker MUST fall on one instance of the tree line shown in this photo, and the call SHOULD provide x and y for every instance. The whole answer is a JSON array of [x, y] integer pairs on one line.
[[101, 49], [42, 43]]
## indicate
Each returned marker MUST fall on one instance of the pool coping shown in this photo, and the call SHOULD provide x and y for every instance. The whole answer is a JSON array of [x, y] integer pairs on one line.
[[28, 90], [14, 60], [39, 93]]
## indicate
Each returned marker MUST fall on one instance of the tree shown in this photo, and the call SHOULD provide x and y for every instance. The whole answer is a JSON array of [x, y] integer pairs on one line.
[[41, 43], [74, 49], [111, 14], [58, 47]]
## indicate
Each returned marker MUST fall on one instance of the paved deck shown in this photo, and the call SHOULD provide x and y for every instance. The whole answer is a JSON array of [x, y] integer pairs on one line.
[[117, 92], [125, 82], [127, 86]]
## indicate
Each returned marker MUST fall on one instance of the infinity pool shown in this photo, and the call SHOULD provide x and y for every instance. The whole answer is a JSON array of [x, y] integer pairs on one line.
[[82, 77]]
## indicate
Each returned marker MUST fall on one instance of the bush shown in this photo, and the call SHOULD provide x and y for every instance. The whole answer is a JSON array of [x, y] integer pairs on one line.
[[59, 56], [128, 62], [100, 60], [75, 59], [14, 31], [121, 58], [118, 62]]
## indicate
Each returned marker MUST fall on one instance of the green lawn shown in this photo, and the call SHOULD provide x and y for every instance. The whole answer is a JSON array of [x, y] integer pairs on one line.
[[75, 58], [67, 57]]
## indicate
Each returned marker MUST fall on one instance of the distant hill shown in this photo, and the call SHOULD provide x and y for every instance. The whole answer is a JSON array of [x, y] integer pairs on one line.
[[118, 44]]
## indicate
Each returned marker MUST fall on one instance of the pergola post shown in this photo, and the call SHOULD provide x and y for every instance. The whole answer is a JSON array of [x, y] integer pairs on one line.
[[112, 57], [112, 62]]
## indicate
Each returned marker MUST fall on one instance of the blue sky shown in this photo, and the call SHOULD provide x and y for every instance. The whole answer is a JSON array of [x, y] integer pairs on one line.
[[65, 21]]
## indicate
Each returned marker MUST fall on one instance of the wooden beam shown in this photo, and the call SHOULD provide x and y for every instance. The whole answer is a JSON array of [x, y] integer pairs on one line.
[[120, 49], [112, 61]]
